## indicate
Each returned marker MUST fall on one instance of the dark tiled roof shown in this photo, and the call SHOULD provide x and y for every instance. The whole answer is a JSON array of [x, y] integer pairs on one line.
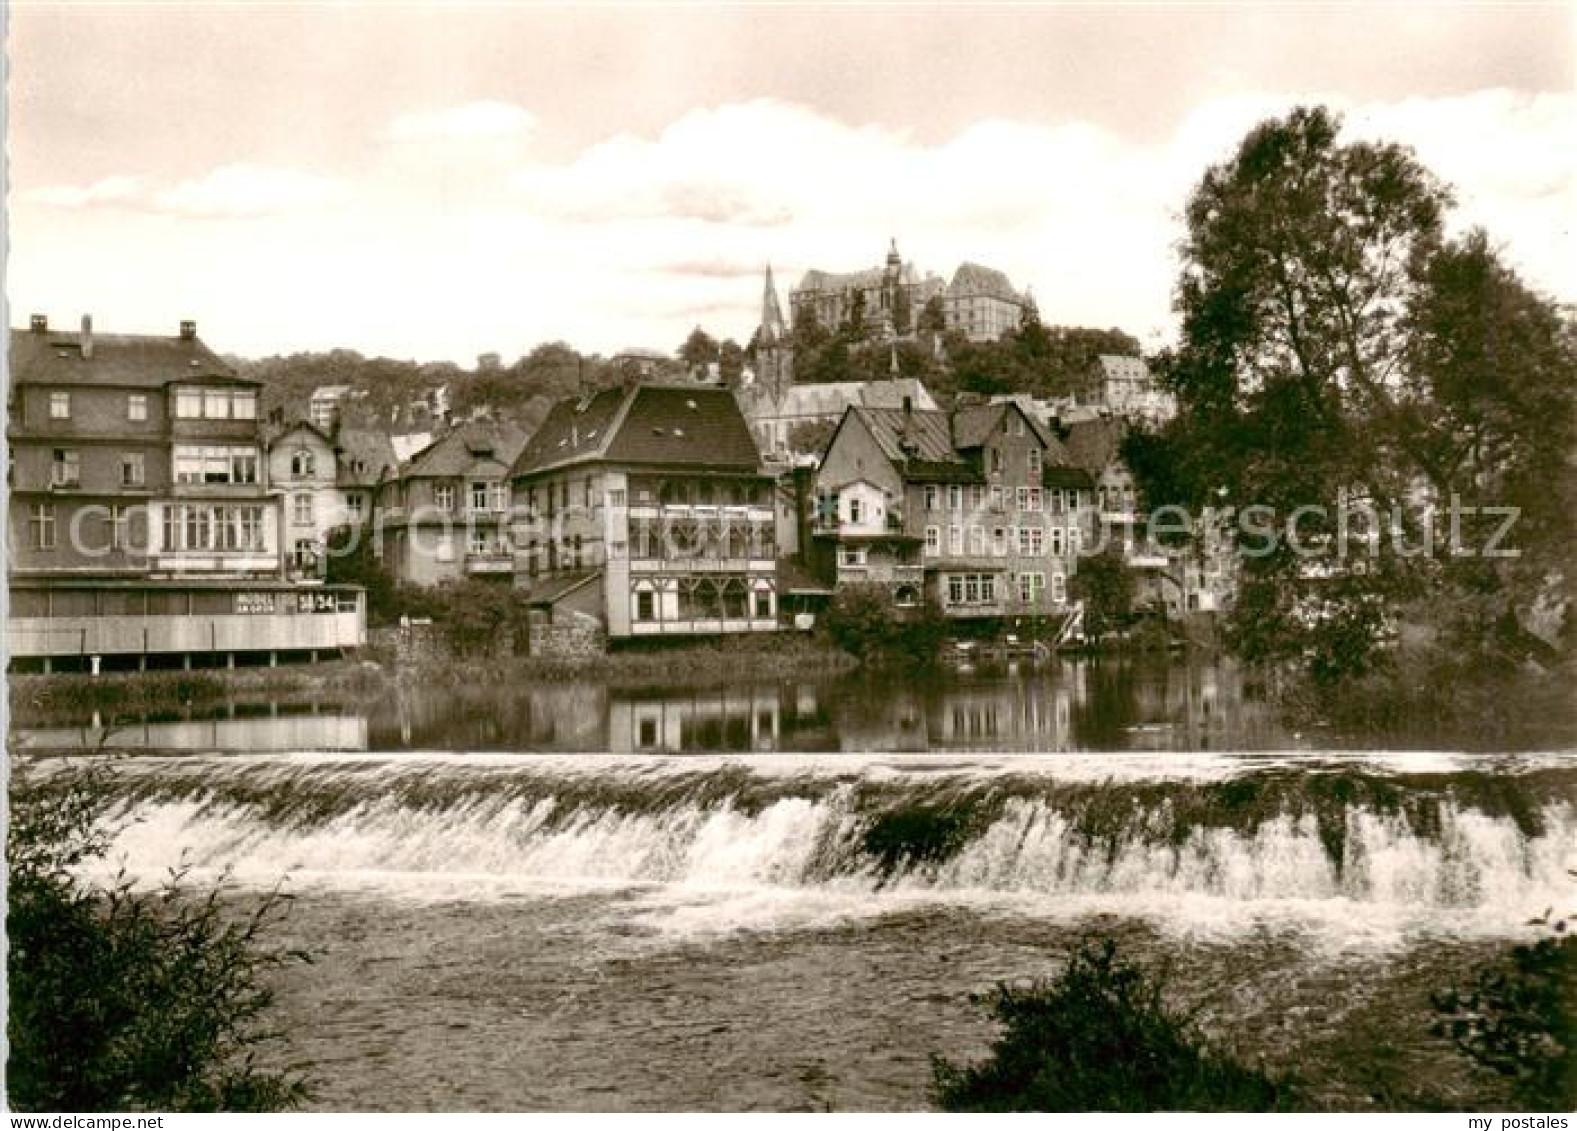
[[119, 360], [972, 279], [554, 589], [684, 424], [928, 471], [575, 428], [795, 578], [671, 425], [1076, 477], [455, 452], [1093, 444], [974, 424], [918, 435], [365, 456]]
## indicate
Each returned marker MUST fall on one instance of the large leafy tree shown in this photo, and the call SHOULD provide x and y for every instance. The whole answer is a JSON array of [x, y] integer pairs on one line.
[[1338, 348]]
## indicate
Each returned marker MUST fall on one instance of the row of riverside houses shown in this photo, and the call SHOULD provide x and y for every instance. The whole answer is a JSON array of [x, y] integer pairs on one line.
[[155, 519], [146, 523]]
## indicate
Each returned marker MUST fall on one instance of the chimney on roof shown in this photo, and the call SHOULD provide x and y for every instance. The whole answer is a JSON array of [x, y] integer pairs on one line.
[[39, 323], [87, 336], [908, 405], [188, 330]]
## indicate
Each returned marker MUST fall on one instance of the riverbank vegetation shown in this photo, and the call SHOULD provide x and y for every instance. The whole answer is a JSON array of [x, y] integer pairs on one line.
[[1100, 1037], [1347, 360], [1492, 1032], [126, 999]]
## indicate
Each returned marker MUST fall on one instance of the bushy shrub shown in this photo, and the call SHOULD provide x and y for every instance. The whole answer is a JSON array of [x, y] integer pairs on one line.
[[1100, 1038], [1519, 1017], [864, 621], [123, 999]]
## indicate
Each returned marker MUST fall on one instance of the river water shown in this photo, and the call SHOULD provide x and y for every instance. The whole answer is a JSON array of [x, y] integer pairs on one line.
[[782, 896]]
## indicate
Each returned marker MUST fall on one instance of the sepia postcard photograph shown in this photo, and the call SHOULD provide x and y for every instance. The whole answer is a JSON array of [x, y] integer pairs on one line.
[[790, 557]]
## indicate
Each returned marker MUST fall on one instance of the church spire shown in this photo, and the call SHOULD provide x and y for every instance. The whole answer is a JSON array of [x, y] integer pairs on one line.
[[772, 327]]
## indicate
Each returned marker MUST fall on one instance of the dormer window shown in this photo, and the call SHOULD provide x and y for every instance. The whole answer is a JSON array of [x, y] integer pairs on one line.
[[302, 463]]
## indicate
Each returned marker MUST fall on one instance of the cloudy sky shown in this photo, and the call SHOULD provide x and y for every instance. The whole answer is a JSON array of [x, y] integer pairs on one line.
[[434, 182]]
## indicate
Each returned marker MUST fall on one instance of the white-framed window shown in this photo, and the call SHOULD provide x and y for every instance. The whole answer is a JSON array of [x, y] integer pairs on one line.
[[196, 463], [1056, 541], [243, 404], [999, 499], [479, 541], [189, 404], [1034, 500], [933, 497], [1034, 463], [763, 604], [1037, 543], [1023, 498], [301, 509], [1023, 541], [971, 589], [1026, 588], [955, 497], [443, 499], [999, 541], [852, 556], [955, 539], [977, 497], [136, 406], [500, 496], [65, 468], [856, 510], [955, 589], [1057, 500], [479, 495], [977, 541], [616, 498], [445, 550], [119, 522], [133, 469], [1059, 589], [59, 406], [41, 525], [302, 463], [645, 605], [933, 541]]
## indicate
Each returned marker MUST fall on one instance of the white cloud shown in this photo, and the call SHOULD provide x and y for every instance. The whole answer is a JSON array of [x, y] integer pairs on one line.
[[461, 246], [247, 190], [475, 121], [231, 191], [109, 190]]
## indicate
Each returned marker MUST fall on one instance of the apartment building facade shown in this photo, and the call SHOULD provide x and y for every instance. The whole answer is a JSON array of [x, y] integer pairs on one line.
[[645, 510], [974, 510], [140, 504], [444, 514]]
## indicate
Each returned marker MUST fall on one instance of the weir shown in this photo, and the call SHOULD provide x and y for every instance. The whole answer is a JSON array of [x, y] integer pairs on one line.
[[1447, 838]]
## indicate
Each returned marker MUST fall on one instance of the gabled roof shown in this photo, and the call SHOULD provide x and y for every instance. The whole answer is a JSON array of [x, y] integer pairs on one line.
[[277, 435], [971, 279], [457, 451], [364, 456], [119, 360], [670, 425], [1094, 444]]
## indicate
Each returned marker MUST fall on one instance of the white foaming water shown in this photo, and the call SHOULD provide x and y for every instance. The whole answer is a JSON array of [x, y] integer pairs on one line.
[[710, 844]]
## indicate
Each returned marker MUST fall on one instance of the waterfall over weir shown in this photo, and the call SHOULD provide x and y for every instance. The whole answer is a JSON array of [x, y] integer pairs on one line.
[[1436, 836]]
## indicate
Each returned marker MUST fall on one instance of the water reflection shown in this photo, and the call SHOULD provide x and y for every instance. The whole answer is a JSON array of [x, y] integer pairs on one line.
[[1107, 705]]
